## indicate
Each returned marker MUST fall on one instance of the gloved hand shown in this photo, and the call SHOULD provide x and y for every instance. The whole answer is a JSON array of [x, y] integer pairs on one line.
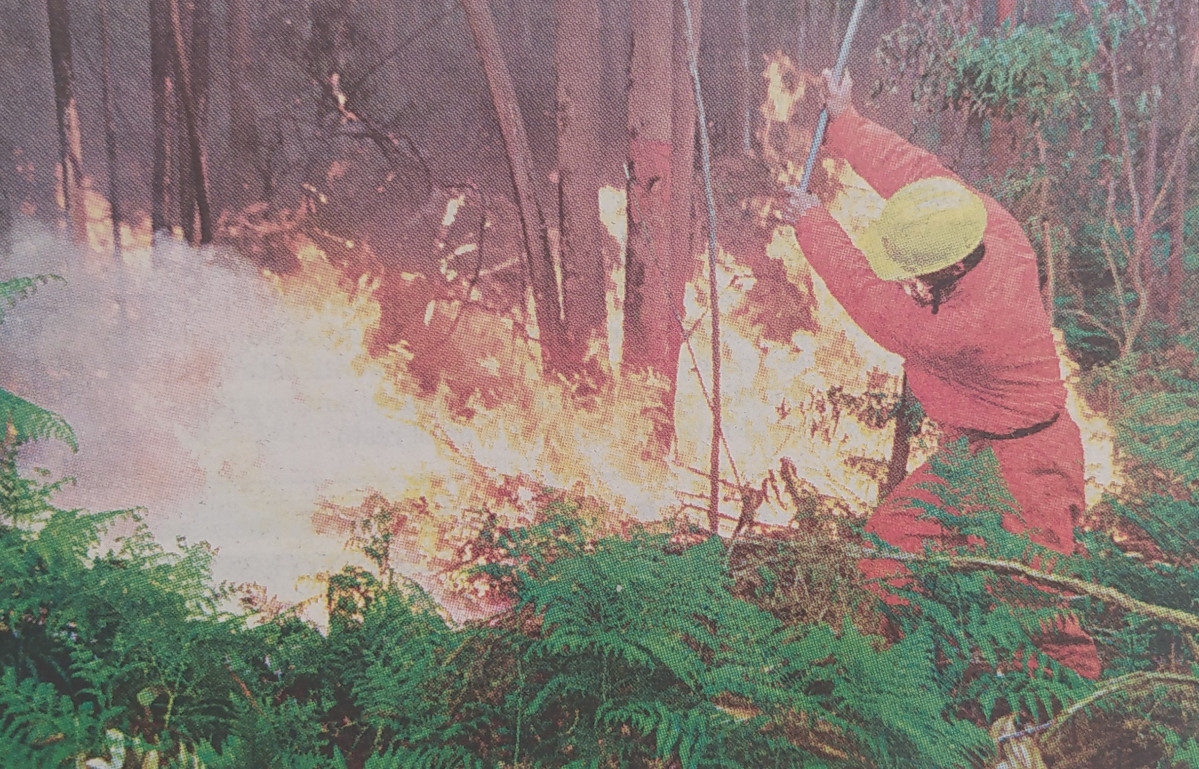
[[793, 203], [837, 97]]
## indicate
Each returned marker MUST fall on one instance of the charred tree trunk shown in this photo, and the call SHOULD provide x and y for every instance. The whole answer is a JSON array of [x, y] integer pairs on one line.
[[243, 123], [191, 120], [647, 305], [901, 444], [70, 142], [162, 94], [582, 241], [110, 137], [539, 264]]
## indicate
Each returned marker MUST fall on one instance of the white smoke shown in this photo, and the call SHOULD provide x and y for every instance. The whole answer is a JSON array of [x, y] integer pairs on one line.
[[197, 393]]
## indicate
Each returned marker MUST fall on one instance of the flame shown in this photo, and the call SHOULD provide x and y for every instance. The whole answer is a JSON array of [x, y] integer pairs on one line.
[[300, 441]]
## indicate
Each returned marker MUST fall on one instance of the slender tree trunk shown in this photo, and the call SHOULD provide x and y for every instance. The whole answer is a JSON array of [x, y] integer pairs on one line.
[[901, 444], [110, 137], [243, 124], [162, 94], [540, 263], [196, 23], [1188, 45], [185, 189], [647, 312], [582, 241], [801, 33], [681, 265], [745, 87], [69, 139], [191, 119]]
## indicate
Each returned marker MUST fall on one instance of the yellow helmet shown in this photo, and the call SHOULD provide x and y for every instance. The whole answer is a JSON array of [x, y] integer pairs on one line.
[[925, 226]]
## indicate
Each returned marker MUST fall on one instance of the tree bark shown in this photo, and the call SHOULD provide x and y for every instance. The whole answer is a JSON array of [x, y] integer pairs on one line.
[[901, 444], [744, 85], [69, 138], [110, 137], [162, 94], [647, 303], [196, 24], [243, 123], [582, 241], [1188, 43], [191, 119], [539, 264], [681, 265], [185, 189]]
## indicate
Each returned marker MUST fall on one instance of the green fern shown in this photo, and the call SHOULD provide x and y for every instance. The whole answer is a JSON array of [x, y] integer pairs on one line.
[[28, 422], [16, 289]]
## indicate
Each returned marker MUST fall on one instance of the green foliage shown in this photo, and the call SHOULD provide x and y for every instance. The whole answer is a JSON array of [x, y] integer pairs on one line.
[[1039, 72], [23, 420]]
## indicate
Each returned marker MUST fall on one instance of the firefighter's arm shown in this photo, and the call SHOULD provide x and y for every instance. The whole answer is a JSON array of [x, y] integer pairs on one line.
[[882, 308], [885, 160]]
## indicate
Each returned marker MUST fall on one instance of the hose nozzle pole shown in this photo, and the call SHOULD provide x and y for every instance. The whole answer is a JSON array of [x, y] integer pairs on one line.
[[838, 70]]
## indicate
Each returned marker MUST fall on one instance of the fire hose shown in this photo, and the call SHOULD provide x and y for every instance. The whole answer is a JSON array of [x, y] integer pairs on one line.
[[838, 72]]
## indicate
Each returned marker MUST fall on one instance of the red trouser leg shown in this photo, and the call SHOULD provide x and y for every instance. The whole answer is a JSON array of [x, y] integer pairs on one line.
[[1044, 473]]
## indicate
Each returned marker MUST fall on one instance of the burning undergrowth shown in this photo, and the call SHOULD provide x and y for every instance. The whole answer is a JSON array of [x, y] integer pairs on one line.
[[339, 402]]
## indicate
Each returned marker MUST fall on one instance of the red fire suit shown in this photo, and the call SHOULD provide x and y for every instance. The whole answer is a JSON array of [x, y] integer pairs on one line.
[[983, 365]]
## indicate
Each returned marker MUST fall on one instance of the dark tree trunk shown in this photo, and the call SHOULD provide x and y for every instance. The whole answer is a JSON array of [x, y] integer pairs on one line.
[[243, 124], [540, 263], [647, 306], [191, 119], [901, 444], [110, 137], [583, 240], [162, 94], [185, 188], [69, 139]]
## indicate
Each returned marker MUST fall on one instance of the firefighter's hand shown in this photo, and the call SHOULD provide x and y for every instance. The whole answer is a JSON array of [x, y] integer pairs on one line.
[[793, 204], [837, 96]]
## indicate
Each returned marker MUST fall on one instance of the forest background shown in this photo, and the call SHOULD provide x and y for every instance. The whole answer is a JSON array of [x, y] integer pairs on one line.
[[432, 282]]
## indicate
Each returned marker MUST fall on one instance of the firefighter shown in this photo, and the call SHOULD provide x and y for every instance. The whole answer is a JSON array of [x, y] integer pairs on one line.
[[947, 279]]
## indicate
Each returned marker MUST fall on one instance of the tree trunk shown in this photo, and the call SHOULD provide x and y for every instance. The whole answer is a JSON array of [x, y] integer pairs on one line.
[[681, 266], [69, 139], [1188, 44], [191, 119], [745, 84], [540, 264], [185, 189], [110, 137], [901, 444], [162, 94], [582, 240], [647, 304], [243, 124]]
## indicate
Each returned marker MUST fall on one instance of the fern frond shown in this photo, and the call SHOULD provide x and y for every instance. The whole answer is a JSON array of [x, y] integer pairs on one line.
[[28, 422], [16, 289]]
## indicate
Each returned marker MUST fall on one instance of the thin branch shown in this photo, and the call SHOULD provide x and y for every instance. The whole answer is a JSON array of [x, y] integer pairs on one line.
[[1126, 682], [713, 294], [1069, 584], [1124, 136], [357, 82], [1180, 151]]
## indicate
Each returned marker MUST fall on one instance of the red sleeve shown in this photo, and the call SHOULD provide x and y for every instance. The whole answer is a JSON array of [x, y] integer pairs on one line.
[[882, 308], [883, 158]]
